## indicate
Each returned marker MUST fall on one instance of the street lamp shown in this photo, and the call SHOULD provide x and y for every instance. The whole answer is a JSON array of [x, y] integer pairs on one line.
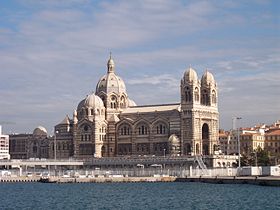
[[164, 152], [55, 132], [238, 137]]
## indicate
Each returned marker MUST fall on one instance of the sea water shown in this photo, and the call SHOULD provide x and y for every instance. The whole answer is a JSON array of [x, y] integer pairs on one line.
[[150, 196]]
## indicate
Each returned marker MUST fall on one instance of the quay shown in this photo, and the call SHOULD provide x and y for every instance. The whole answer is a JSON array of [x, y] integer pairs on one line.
[[88, 180], [19, 179], [255, 180], [111, 179]]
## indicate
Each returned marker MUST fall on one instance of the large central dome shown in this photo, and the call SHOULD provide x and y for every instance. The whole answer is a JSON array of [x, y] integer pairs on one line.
[[110, 83]]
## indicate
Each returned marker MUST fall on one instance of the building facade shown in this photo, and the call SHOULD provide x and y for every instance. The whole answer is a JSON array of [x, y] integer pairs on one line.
[[272, 140], [265, 137], [108, 123], [35, 145], [250, 141], [4, 145]]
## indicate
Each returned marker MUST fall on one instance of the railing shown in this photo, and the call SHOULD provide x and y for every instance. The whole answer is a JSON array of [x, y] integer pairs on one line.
[[131, 172], [201, 165]]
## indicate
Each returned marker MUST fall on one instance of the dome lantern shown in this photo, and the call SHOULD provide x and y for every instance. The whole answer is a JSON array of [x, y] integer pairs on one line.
[[111, 64]]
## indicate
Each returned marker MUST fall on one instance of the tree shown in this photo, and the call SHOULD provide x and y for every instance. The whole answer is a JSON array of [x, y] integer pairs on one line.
[[259, 157], [262, 157]]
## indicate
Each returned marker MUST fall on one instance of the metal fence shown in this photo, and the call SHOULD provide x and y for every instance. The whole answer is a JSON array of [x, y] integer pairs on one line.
[[126, 172]]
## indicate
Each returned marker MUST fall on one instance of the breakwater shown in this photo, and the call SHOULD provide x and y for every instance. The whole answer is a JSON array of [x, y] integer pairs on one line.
[[255, 180]]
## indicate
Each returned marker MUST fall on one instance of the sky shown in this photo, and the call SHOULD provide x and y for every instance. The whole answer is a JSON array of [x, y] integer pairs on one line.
[[53, 52]]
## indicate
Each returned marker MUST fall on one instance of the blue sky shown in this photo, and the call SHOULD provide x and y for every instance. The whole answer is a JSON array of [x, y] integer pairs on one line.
[[53, 52]]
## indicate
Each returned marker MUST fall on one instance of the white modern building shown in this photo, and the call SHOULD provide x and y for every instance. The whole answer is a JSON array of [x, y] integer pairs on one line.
[[4, 145]]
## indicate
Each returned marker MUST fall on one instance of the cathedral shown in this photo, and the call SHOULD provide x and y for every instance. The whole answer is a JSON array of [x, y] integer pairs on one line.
[[108, 123]]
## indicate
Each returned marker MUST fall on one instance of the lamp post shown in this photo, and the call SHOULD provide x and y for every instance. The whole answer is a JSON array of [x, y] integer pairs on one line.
[[164, 152], [256, 157], [55, 132], [238, 137]]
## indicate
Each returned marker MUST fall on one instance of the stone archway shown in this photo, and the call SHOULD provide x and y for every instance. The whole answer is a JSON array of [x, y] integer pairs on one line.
[[205, 139]]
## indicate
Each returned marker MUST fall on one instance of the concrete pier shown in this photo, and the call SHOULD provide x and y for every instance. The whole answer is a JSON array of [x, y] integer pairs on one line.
[[19, 179], [111, 179], [256, 180]]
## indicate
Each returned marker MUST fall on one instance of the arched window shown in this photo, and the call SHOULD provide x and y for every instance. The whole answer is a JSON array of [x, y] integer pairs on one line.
[[161, 129], [113, 102], [124, 130], [205, 98], [214, 100], [196, 94], [205, 131], [85, 130], [142, 129], [91, 112], [188, 94], [122, 104]]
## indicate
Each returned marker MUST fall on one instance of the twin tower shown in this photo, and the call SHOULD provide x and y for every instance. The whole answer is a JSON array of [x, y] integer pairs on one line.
[[199, 113]]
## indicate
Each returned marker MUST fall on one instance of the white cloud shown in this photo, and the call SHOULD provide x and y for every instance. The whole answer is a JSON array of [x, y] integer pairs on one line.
[[55, 52]]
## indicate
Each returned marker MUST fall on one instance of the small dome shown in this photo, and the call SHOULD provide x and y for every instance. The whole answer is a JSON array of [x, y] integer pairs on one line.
[[207, 78], [190, 75], [174, 140], [81, 104], [40, 131], [131, 103], [91, 101]]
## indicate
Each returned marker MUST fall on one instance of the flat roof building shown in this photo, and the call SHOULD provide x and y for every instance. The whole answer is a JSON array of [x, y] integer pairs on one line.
[[4, 145]]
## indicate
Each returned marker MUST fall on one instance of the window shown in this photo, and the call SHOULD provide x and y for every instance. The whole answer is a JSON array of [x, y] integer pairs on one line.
[[205, 98], [124, 130], [161, 129], [92, 112], [113, 102], [142, 130], [188, 95], [214, 100], [196, 94], [122, 104]]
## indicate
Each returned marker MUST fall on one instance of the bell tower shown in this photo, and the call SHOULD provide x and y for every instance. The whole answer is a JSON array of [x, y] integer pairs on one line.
[[199, 114]]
